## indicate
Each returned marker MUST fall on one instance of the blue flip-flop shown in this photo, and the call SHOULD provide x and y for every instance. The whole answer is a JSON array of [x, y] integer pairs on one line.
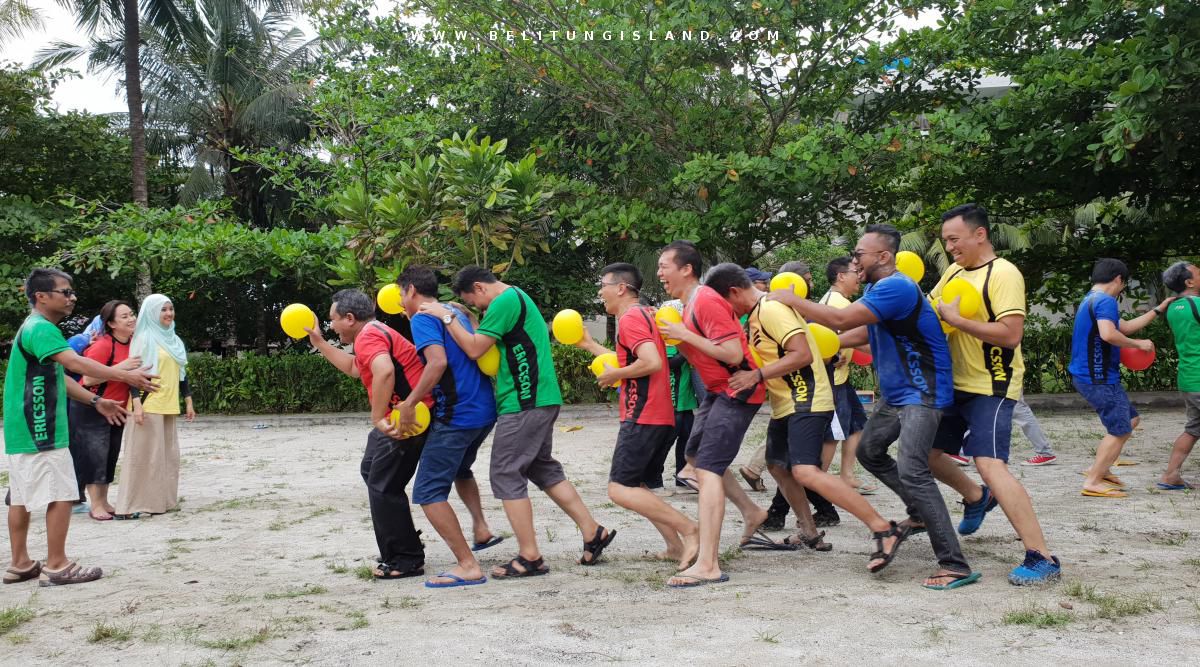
[[1175, 487], [960, 580], [491, 542], [699, 581], [455, 581]]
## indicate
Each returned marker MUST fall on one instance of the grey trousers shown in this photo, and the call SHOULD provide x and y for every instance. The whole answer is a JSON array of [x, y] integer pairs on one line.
[[910, 477], [1023, 418]]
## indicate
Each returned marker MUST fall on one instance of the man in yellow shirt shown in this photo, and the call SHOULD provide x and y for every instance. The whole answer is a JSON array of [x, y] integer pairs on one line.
[[849, 416], [801, 394], [988, 371]]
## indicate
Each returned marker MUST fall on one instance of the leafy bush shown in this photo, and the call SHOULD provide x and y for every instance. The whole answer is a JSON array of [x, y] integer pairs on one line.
[[286, 383], [1047, 351], [573, 366]]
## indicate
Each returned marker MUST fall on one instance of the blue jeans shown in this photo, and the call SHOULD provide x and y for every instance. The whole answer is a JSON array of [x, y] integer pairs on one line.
[[442, 460], [910, 477]]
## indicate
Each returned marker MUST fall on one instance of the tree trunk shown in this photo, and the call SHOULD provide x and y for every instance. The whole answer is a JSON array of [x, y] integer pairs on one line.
[[261, 322], [137, 125]]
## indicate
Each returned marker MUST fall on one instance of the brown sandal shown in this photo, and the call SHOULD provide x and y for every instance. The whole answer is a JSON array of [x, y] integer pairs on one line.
[[14, 576], [71, 574]]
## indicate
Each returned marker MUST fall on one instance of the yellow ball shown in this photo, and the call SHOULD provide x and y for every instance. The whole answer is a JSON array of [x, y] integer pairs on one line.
[[668, 315], [489, 363], [608, 359], [758, 362], [946, 328], [825, 338], [909, 263], [789, 280], [422, 414], [389, 299], [567, 326], [295, 317], [970, 298]]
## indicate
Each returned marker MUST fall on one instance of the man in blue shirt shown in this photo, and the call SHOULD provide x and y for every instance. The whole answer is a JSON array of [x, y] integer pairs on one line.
[[912, 360], [1096, 368], [463, 415]]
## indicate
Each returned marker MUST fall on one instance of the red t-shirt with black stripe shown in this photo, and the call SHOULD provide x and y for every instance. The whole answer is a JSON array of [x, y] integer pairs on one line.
[[377, 338], [710, 316], [646, 399]]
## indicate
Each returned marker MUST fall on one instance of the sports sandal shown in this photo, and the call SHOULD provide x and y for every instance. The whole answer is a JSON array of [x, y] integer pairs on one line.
[[596, 546], [886, 556], [815, 542], [71, 574], [533, 568]]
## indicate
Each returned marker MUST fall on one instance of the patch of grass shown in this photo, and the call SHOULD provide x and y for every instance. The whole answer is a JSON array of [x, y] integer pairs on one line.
[[609, 506], [365, 572], [1112, 606], [237, 643], [1143, 565], [4, 478], [152, 634], [237, 598], [1193, 563], [282, 523], [1172, 538], [730, 554], [358, 620], [337, 566], [243, 503], [766, 637], [1037, 617], [306, 589], [405, 602], [935, 633], [17, 639], [1090, 526], [104, 632], [12, 617], [549, 534]]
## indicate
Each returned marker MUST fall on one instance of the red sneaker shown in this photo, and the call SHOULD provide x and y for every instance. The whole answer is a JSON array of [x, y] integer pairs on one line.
[[960, 460], [1040, 460]]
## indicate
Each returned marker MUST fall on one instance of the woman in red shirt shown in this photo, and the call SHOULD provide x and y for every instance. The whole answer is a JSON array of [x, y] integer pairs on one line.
[[96, 444]]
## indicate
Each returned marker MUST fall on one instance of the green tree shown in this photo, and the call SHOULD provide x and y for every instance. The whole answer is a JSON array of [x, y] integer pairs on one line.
[[17, 17]]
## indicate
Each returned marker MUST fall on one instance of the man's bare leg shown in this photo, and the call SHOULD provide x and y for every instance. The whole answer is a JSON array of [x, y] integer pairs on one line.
[[711, 513]]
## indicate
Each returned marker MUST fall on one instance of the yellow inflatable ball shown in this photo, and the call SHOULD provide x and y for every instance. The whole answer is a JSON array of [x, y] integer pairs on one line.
[[946, 328], [668, 315], [969, 297], [909, 263], [825, 338], [792, 281], [422, 413], [608, 359], [758, 362], [489, 363], [295, 317], [567, 326], [389, 299]]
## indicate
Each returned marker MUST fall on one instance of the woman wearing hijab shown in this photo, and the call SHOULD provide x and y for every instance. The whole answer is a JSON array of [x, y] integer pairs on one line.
[[150, 472], [96, 444]]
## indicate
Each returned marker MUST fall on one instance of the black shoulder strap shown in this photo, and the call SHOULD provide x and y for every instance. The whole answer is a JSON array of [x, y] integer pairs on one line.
[[1191, 301], [112, 354]]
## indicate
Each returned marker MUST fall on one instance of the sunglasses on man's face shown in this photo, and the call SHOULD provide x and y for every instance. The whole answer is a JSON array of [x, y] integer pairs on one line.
[[857, 255]]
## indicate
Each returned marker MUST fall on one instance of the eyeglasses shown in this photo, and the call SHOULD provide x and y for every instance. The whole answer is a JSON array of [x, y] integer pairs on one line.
[[66, 291], [857, 254], [601, 283]]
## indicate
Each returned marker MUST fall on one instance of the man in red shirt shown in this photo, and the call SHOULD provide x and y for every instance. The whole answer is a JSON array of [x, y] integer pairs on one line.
[[715, 345], [647, 411], [388, 365]]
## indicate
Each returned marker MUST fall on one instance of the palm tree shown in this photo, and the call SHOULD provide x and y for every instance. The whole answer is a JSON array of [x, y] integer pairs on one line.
[[218, 79], [17, 16]]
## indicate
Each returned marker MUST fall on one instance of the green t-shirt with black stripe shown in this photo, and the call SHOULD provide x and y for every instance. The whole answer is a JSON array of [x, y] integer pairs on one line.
[[1184, 317], [527, 379], [35, 390]]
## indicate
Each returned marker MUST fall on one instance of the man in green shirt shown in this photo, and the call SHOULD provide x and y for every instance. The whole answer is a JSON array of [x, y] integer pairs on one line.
[[527, 402], [1183, 315], [41, 473]]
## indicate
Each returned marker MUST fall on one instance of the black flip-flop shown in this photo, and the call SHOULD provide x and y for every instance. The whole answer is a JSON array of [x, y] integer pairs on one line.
[[404, 574], [488, 543], [688, 482], [597, 546], [760, 541]]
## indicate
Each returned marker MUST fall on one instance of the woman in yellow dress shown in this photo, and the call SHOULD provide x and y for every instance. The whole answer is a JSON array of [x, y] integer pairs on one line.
[[150, 456]]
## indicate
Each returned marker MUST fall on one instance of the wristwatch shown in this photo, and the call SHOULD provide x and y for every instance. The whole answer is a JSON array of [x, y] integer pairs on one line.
[[447, 318], [95, 400]]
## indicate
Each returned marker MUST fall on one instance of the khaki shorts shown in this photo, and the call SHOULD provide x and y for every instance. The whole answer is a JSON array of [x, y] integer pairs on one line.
[[36, 480], [1192, 400]]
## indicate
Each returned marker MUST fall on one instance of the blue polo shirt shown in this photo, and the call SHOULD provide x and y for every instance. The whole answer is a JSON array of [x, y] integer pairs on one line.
[[912, 358], [1093, 361], [464, 397]]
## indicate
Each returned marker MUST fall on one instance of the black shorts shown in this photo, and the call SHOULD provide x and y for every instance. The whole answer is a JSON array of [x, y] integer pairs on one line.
[[717, 432], [797, 439], [636, 446], [849, 415]]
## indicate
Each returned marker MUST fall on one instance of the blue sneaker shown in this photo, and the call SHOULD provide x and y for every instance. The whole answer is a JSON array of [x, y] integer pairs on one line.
[[973, 513], [1035, 570]]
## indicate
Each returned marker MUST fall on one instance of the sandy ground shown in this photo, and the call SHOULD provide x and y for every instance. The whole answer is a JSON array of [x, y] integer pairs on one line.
[[259, 568]]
